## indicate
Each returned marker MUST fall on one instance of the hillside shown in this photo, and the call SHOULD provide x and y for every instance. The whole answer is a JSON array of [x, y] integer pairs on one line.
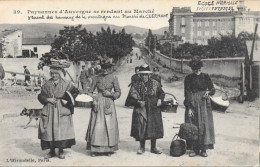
[[41, 29]]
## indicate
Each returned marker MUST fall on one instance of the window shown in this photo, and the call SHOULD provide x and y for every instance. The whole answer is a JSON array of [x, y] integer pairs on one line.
[[214, 32], [199, 23], [199, 33], [229, 23], [229, 31], [182, 20], [214, 23], [182, 30], [34, 49], [206, 23], [207, 33]]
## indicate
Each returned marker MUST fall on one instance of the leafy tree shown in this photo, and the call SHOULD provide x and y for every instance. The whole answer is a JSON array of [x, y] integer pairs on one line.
[[221, 47], [75, 43], [150, 41]]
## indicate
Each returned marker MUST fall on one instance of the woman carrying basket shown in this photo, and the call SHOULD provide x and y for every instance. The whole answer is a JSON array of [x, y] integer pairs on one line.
[[197, 88], [147, 118]]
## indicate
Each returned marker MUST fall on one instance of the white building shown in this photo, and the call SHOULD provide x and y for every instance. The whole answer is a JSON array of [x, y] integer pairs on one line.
[[36, 47], [11, 43]]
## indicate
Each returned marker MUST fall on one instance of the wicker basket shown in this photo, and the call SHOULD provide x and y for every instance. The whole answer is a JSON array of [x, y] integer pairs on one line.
[[32, 89], [83, 104], [220, 103], [169, 106], [60, 63]]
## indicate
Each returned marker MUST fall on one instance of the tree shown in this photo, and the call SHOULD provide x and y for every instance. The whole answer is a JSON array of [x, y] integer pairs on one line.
[[48, 35], [75, 43], [221, 47], [150, 41], [244, 35]]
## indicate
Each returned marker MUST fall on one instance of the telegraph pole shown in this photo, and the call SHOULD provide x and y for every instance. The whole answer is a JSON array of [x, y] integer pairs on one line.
[[171, 54], [155, 41], [149, 44]]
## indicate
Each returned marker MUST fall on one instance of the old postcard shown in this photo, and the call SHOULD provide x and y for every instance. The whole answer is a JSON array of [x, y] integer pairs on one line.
[[129, 83]]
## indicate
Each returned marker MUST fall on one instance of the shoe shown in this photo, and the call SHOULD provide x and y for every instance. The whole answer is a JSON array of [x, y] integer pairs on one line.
[[156, 151], [50, 155], [140, 151], [203, 154], [193, 154], [61, 154]]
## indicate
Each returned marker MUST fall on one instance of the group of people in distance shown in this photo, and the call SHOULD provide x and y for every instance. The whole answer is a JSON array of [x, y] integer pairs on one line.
[[86, 76], [57, 95]]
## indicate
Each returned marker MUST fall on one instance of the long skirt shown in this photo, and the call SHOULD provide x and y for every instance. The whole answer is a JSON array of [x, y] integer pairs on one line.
[[147, 126], [203, 119], [57, 144], [103, 134]]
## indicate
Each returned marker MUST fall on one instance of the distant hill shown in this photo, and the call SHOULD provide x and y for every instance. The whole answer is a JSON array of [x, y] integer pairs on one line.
[[160, 31], [41, 29]]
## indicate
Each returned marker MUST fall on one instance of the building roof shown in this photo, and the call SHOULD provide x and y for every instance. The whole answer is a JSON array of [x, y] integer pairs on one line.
[[6, 32], [38, 41], [181, 10], [213, 14], [174, 37], [256, 13]]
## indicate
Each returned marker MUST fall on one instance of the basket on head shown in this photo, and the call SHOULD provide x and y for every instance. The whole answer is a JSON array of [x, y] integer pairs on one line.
[[60, 63], [169, 105]]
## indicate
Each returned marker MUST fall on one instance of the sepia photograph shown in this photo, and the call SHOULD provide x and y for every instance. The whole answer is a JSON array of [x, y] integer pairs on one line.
[[129, 83]]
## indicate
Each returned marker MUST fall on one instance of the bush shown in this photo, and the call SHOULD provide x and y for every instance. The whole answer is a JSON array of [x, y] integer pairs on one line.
[[75, 43], [222, 47]]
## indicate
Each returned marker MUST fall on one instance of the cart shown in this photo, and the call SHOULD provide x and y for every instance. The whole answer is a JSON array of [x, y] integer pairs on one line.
[[249, 73]]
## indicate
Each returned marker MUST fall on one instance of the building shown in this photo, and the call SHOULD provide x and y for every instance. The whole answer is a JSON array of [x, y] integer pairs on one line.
[[36, 47], [198, 27], [10, 43], [168, 38]]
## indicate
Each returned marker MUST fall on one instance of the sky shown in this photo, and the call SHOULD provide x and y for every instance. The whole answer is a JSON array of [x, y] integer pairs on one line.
[[30, 11]]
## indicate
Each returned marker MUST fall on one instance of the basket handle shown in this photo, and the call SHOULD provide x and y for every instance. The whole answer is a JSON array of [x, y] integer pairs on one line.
[[175, 136], [170, 94]]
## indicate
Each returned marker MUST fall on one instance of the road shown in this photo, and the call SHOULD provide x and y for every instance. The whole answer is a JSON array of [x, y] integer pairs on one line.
[[237, 133]]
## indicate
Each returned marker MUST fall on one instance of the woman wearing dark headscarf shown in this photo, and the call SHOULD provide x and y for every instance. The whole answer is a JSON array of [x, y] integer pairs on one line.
[[147, 118], [2, 74], [197, 88], [103, 134], [135, 78], [56, 128], [156, 75]]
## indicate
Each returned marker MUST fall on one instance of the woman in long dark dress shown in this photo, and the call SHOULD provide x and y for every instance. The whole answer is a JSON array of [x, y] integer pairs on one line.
[[56, 128], [147, 118], [103, 133], [197, 88]]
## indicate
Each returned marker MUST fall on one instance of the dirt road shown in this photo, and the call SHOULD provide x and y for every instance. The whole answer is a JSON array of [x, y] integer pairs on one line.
[[237, 133]]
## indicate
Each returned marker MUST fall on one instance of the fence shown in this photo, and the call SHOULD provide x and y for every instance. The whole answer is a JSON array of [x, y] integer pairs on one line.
[[16, 65]]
